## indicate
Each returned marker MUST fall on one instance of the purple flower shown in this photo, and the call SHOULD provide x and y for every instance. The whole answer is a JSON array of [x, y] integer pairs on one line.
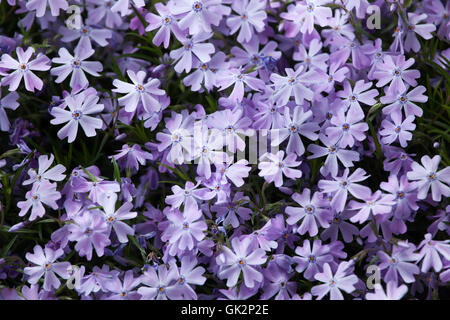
[[310, 13], [159, 283], [392, 292], [166, 23], [398, 263], [251, 15], [351, 98], [81, 107], [7, 102], [295, 84], [235, 172], [312, 212], [413, 28], [232, 212], [244, 257], [403, 100], [44, 173], [239, 78], [207, 73], [299, 124], [376, 204], [124, 290], [394, 71], [192, 48], [41, 6], [347, 127], [85, 33], [337, 224], [187, 275], [115, 217], [311, 59], [185, 231], [139, 91], [198, 15], [23, 69], [90, 230], [333, 153], [122, 6], [134, 156], [76, 66], [189, 196], [178, 136], [430, 251], [427, 175], [341, 279], [309, 260], [273, 169], [41, 193], [46, 265], [397, 130], [278, 284], [344, 184]]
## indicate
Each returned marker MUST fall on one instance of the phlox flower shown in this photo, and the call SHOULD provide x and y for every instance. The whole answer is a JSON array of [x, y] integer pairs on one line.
[[86, 33], [342, 279], [312, 212], [251, 15], [41, 6], [114, 218], [430, 252], [233, 211], [276, 165], [399, 263], [375, 204], [313, 58], [23, 68], [341, 186], [310, 12], [199, 15], [333, 153], [130, 157], [352, 97], [347, 127], [103, 11], [207, 73], [80, 109], [157, 282], [405, 100], [76, 66], [295, 84], [124, 290], [166, 23], [40, 194], [393, 292], [122, 6], [187, 276], [139, 91], [235, 172], [242, 257], [177, 135], [185, 230], [43, 173], [278, 284], [45, 264], [414, 29], [190, 196], [310, 260], [427, 176], [7, 102], [397, 130], [193, 48], [299, 124], [394, 70], [90, 231], [239, 78]]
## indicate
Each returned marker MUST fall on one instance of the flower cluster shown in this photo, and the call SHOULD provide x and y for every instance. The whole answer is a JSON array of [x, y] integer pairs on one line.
[[232, 149]]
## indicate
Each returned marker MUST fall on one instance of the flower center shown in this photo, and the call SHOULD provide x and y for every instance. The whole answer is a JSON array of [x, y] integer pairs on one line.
[[309, 7], [432, 176], [309, 209], [330, 79], [241, 262], [197, 6], [185, 226], [397, 129], [167, 20], [47, 266], [411, 27], [312, 258], [76, 63], [400, 195], [332, 149], [77, 114], [23, 66], [244, 17], [397, 73], [345, 126]]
